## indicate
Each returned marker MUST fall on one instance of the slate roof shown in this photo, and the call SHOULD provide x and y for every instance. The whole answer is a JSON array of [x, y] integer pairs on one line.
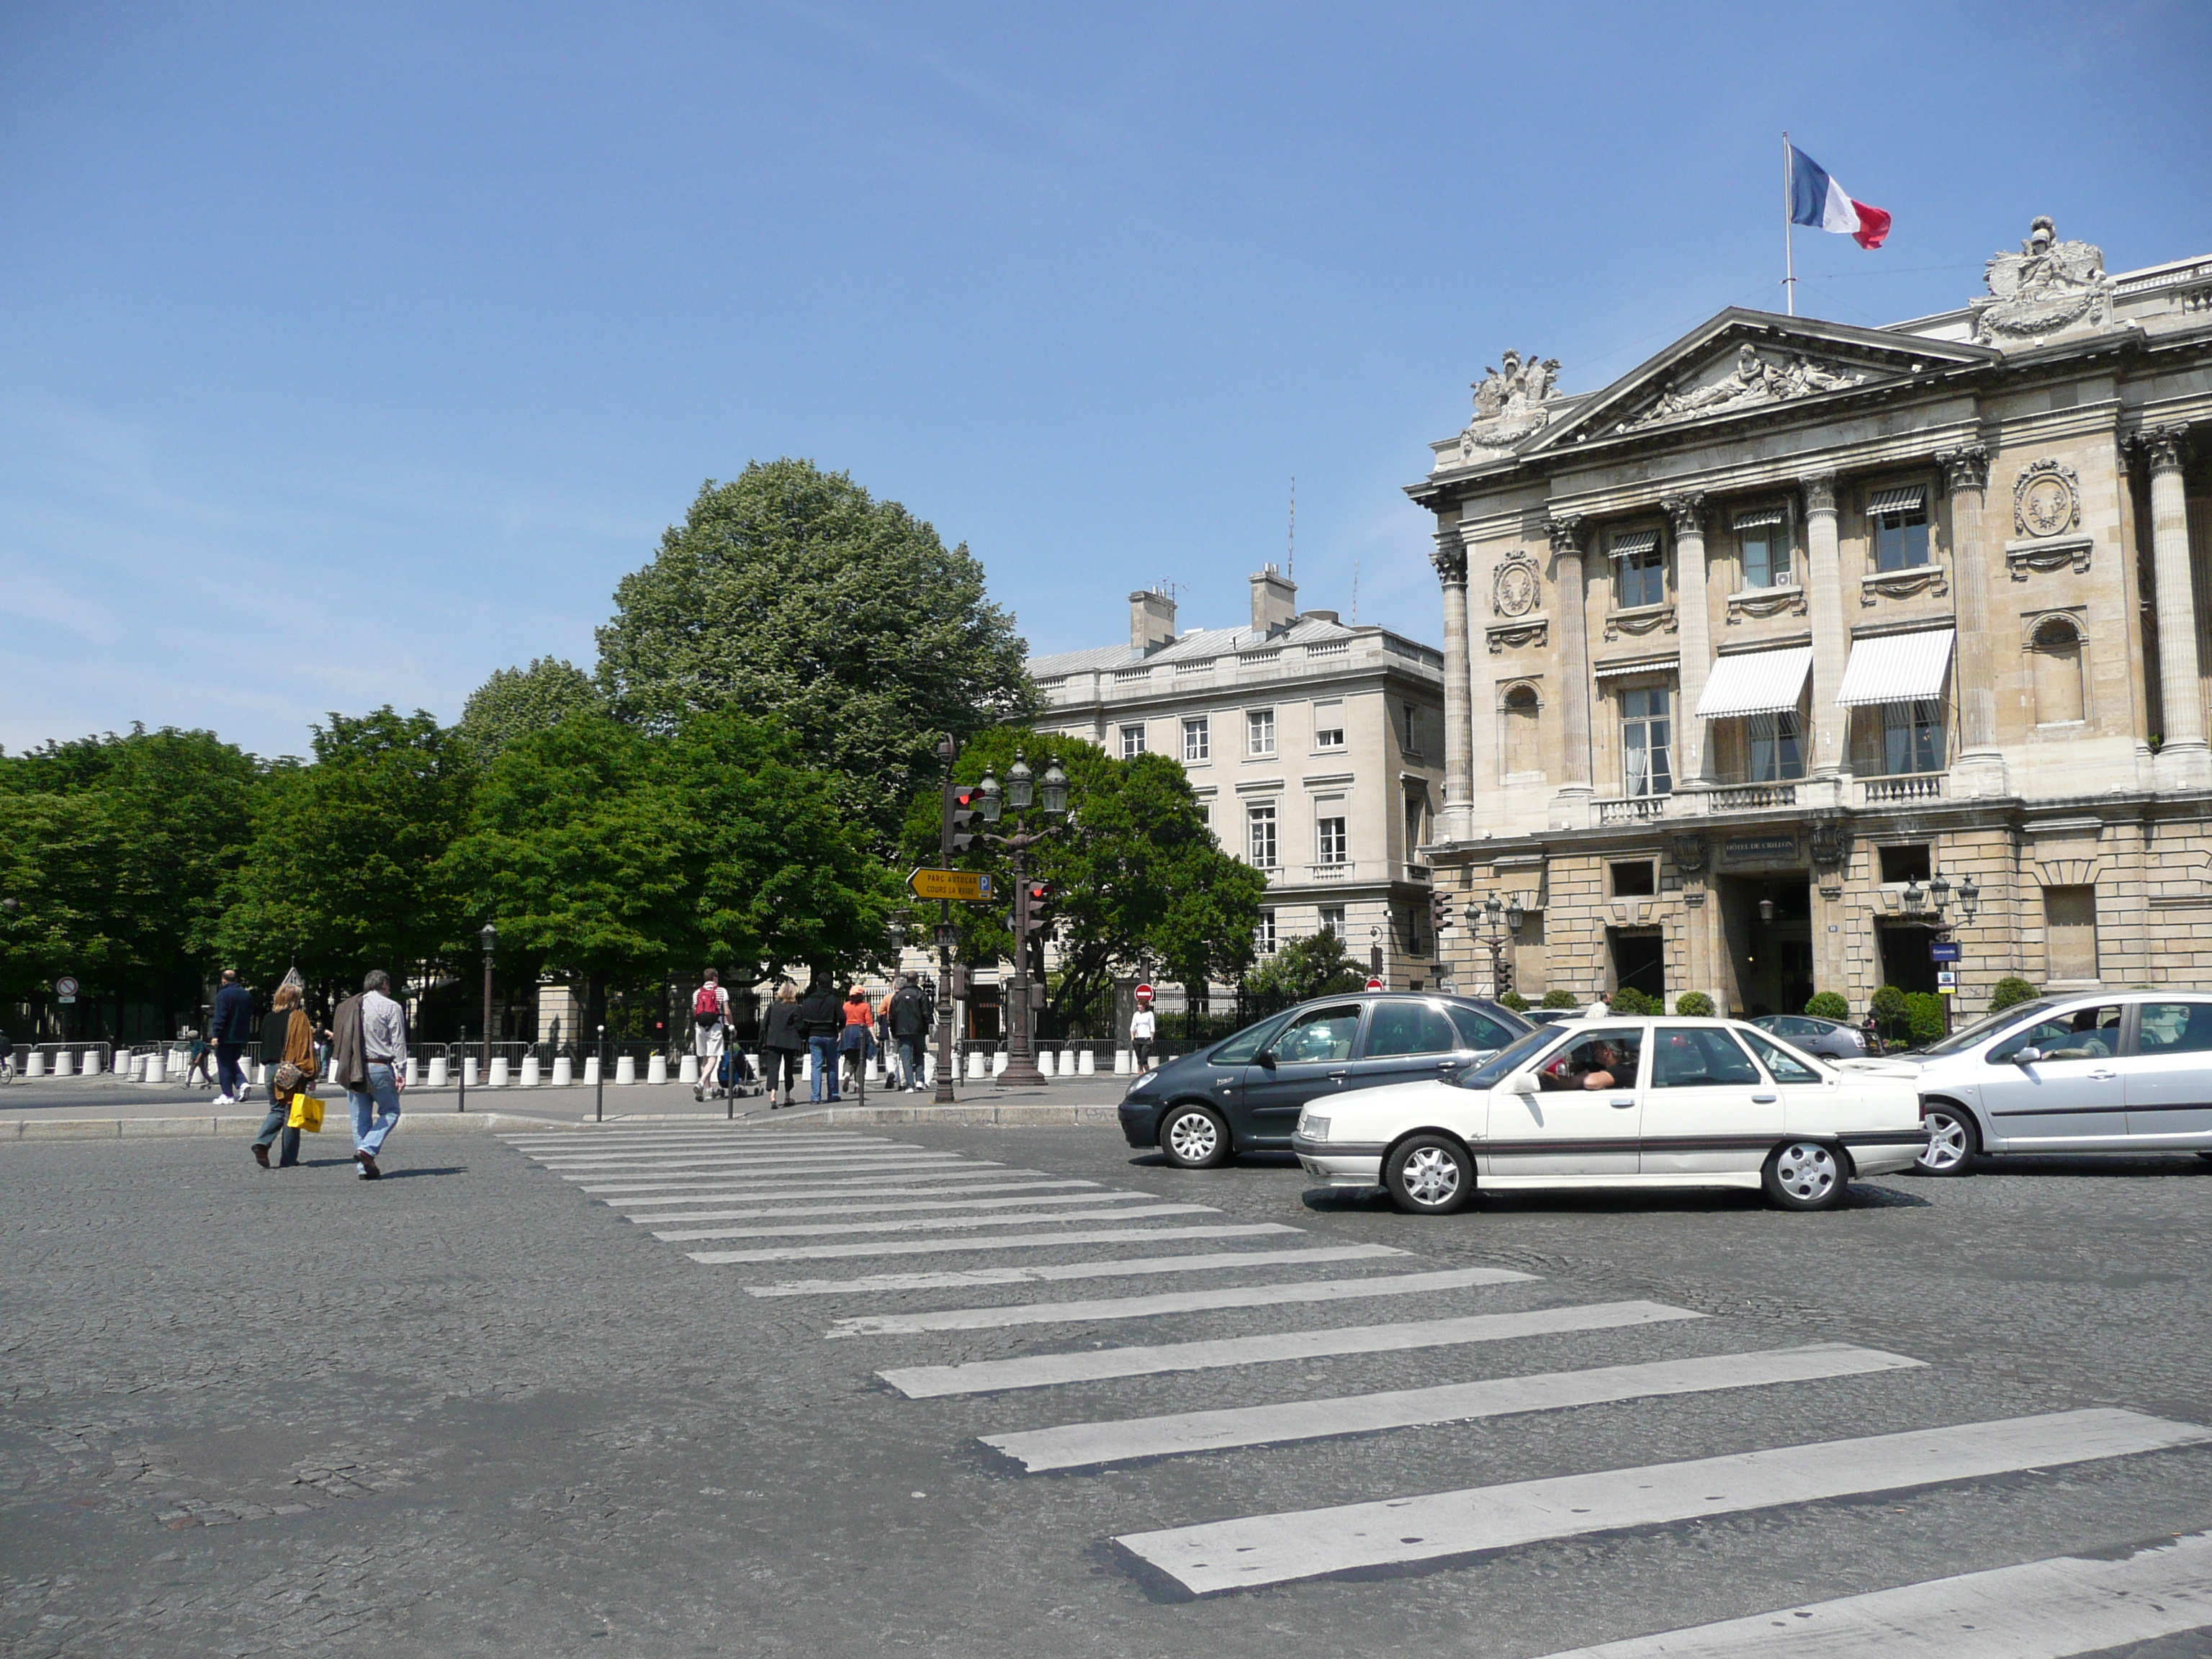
[[1195, 645]]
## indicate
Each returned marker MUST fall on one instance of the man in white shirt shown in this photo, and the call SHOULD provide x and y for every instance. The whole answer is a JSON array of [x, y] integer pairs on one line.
[[710, 1024]]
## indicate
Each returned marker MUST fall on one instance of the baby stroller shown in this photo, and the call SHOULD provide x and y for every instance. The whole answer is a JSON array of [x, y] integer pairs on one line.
[[736, 1077]]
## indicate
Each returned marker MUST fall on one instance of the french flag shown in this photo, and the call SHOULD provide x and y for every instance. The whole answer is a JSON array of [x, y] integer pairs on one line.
[[1816, 199]]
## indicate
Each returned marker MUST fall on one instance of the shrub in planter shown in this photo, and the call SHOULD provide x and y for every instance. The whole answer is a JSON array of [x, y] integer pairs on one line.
[[1559, 1000], [1923, 1016], [1828, 1005], [2010, 992], [1629, 1000], [1694, 1004], [1514, 1000]]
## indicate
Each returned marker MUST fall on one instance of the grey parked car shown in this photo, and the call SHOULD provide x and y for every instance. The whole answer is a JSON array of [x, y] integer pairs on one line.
[[1248, 1090], [1827, 1038]]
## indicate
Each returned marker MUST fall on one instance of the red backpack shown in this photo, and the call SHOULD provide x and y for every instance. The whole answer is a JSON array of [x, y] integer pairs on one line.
[[707, 1004]]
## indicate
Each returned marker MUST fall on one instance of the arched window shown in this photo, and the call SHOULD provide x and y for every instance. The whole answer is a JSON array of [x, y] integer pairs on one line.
[[2055, 654], [1521, 746]]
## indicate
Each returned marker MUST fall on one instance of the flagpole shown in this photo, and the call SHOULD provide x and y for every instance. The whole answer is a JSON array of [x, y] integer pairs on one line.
[[1788, 246]]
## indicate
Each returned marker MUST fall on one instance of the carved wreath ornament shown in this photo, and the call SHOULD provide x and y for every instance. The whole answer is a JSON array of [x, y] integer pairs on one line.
[[2046, 500], [1514, 591]]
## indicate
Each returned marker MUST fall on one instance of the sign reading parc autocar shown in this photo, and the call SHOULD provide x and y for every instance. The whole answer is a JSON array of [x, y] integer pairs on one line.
[[1940, 951], [964, 885], [1760, 849], [66, 989]]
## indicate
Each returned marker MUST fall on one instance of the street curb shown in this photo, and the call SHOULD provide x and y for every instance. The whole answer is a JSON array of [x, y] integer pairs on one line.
[[1088, 1116], [129, 1128]]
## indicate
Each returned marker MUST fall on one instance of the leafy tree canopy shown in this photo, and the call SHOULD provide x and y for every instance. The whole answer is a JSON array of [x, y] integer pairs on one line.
[[1315, 966], [516, 702], [791, 594]]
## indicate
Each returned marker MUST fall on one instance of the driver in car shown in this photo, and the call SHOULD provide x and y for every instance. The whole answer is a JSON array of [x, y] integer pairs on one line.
[[1592, 1064]]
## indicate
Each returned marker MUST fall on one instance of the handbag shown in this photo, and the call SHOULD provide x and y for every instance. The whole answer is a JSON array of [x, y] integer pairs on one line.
[[306, 1114], [289, 1077]]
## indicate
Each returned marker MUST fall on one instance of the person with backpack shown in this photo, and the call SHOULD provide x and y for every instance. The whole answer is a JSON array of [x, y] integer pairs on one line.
[[907, 1014], [824, 1019], [710, 1024]]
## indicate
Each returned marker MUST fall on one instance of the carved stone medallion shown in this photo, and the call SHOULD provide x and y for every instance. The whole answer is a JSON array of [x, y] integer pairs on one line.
[[1688, 852], [2047, 501], [1515, 588]]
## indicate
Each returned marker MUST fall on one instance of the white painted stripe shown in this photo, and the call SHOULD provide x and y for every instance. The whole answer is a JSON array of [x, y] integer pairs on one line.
[[1031, 1201], [1273, 1549], [586, 1138], [967, 1171], [1084, 1445], [729, 1159], [2052, 1609], [1130, 1268], [1172, 1302], [1091, 1365], [932, 1223], [732, 1168], [779, 1191], [1015, 1242]]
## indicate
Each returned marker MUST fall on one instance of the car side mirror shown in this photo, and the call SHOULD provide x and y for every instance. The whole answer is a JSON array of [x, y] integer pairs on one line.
[[1522, 1083], [1265, 1058], [2026, 1056]]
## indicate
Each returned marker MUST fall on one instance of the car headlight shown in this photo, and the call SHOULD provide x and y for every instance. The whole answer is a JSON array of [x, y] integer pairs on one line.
[[1312, 1127], [1142, 1085]]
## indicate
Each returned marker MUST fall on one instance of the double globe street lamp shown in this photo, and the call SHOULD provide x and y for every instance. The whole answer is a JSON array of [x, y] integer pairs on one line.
[[1023, 793], [1499, 925]]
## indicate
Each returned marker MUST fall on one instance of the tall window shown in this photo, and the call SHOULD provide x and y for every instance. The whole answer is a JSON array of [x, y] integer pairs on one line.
[[1332, 921], [1260, 731], [1521, 744], [1197, 739], [1642, 567], [1328, 725], [1263, 936], [1778, 747], [1900, 528], [1132, 742], [1260, 821], [2057, 652], [2070, 919], [1332, 844], [1411, 715], [1912, 737], [1647, 742], [1763, 540]]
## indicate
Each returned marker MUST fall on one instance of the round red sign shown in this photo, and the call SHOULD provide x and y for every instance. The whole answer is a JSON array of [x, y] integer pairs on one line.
[[1144, 993], [1374, 984]]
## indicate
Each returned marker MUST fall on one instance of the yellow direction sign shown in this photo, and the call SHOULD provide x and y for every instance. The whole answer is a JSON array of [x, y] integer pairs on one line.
[[949, 885]]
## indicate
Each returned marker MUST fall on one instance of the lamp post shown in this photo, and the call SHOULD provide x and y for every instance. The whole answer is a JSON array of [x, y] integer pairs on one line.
[[1048, 795], [1500, 924], [489, 935]]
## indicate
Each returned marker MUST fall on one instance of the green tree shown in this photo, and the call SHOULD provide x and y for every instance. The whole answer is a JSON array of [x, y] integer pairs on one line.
[[793, 595], [1888, 1008], [516, 702], [1315, 966], [343, 872], [1923, 1016], [1827, 1005], [1559, 999], [2010, 992], [1694, 1004]]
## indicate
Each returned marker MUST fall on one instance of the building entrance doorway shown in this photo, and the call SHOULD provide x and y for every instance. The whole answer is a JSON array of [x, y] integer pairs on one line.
[[1906, 962], [1768, 920], [1639, 960]]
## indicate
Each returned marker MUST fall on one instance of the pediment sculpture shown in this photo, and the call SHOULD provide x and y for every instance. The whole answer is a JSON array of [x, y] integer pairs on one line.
[[2046, 288], [1509, 404], [1753, 380]]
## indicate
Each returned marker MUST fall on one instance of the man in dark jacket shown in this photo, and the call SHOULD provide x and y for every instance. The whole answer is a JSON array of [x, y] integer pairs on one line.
[[230, 1031], [908, 1018], [822, 1014]]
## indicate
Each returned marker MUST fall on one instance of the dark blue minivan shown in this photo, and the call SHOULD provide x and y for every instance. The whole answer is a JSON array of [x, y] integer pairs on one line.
[[1247, 1090]]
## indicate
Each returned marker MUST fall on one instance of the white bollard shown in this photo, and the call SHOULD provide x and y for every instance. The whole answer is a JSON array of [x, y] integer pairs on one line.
[[625, 1070], [1125, 1061], [998, 1063], [36, 1066], [414, 1071], [592, 1072], [689, 1073], [564, 1071], [929, 1069], [1049, 1062], [530, 1071], [657, 1071], [441, 1072], [979, 1068], [469, 1071], [1086, 1064], [64, 1063], [154, 1073]]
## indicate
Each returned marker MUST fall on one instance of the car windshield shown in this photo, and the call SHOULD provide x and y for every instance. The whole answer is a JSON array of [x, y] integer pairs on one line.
[[1239, 1048], [1488, 1073], [1968, 1036]]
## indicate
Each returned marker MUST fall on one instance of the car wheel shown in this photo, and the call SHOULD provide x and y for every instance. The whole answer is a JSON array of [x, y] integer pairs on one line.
[[1953, 1142], [1429, 1174], [1194, 1138], [1805, 1175]]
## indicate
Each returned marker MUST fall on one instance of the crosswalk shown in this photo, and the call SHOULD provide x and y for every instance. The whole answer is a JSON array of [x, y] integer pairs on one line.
[[997, 1244]]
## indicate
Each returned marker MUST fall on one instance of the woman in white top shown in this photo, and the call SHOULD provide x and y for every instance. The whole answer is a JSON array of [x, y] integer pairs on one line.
[[1142, 1026]]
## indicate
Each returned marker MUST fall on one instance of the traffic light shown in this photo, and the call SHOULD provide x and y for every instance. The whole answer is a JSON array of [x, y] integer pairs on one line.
[[1440, 912], [1042, 896], [960, 811]]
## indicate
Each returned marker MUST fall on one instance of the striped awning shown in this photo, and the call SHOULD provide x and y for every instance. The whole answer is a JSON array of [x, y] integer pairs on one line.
[[1897, 668], [1758, 516], [1755, 683], [1897, 499], [1632, 541]]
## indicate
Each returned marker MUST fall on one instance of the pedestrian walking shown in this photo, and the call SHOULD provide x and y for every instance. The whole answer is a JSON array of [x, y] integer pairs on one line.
[[230, 1031], [288, 1049], [783, 1040], [369, 1057], [907, 1014], [856, 1042], [824, 1019], [199, 1056], [710, 1028], [1144, 1026]]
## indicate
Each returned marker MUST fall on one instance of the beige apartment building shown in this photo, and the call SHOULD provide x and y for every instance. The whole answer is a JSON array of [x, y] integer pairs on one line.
[[1755, 654], [1315, 747]]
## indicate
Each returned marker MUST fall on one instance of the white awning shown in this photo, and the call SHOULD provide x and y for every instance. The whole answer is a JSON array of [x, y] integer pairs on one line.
[[1633, 541], [1897, 668], [1896, 500], [1755, 683], [1760, 515]]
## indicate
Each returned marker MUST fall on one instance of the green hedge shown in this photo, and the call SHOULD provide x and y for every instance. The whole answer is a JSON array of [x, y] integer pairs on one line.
[[1828, 1005], [1694, 1004], [1559, 1000], [1923, 1016], [2009, 992], [1514, 1000], [1629, 1000]]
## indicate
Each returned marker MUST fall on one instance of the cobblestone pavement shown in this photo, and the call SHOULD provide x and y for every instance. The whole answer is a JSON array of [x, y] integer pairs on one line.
[[481, 1407]]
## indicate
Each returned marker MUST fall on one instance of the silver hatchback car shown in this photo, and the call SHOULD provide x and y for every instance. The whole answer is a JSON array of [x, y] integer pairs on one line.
[[2101, 1072]]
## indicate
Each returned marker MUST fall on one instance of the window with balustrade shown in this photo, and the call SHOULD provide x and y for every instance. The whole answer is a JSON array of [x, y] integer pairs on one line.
[[1260, 831], [1332, 842], [1647, 741], [1894, 740]]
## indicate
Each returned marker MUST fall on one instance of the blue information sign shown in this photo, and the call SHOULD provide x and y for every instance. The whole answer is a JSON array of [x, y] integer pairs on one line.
[[1941, 952]]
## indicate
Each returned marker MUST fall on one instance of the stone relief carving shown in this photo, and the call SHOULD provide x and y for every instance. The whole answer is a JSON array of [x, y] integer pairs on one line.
[[2022, 557], [1932, 579], [2046, 500], [1687, 511], [2165, 446], [1764, 602], [1966, 467], [2047, 287], [1656, 620], [1820, 490], [1515, 588], [1754, 379], [1829, 844], [1512, 636], [1688, 852], [1509, 404], [1565, 531]]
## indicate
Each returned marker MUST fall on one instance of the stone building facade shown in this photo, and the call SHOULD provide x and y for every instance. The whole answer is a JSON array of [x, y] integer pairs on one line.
[[1316, 749], [1750, 652]]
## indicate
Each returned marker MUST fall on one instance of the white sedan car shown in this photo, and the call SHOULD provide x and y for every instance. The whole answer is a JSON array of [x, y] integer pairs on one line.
[[1611, 1102]]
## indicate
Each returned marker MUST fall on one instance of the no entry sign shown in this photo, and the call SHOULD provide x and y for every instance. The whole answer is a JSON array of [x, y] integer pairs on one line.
[[1374, 984], [1144, 993]]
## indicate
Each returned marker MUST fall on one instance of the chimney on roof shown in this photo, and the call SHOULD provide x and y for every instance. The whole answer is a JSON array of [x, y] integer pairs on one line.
[[1274, 601], [1152, 621]]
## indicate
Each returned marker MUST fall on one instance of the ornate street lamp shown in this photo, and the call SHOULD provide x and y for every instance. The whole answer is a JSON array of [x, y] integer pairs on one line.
[[1970, 898], [993, 802], [1052, 791], [1050, 802], [1914, 897], [1501, 922], [489, 935]]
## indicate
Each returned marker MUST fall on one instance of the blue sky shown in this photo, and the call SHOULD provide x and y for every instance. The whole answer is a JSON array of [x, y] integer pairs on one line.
[[351, 353]]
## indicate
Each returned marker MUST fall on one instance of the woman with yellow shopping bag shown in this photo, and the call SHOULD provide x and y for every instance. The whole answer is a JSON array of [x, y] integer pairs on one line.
[[288, 1048]]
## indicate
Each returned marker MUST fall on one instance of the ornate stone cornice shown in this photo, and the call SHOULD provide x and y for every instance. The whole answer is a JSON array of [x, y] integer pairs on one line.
[[2164, 446], [1820, 490], [1687, 511], [1565, 530], [1450, 558], [1966, 467]]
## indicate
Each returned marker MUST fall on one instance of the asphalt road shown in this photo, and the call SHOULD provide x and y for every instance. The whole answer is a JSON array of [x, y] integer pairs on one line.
[[474, 1409]]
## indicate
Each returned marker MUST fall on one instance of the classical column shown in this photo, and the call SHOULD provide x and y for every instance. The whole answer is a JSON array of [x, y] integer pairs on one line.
[[1450, 561], [1694, 622], [1981, 766], [1831, 639], [1571, 804], [2183, 762]]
